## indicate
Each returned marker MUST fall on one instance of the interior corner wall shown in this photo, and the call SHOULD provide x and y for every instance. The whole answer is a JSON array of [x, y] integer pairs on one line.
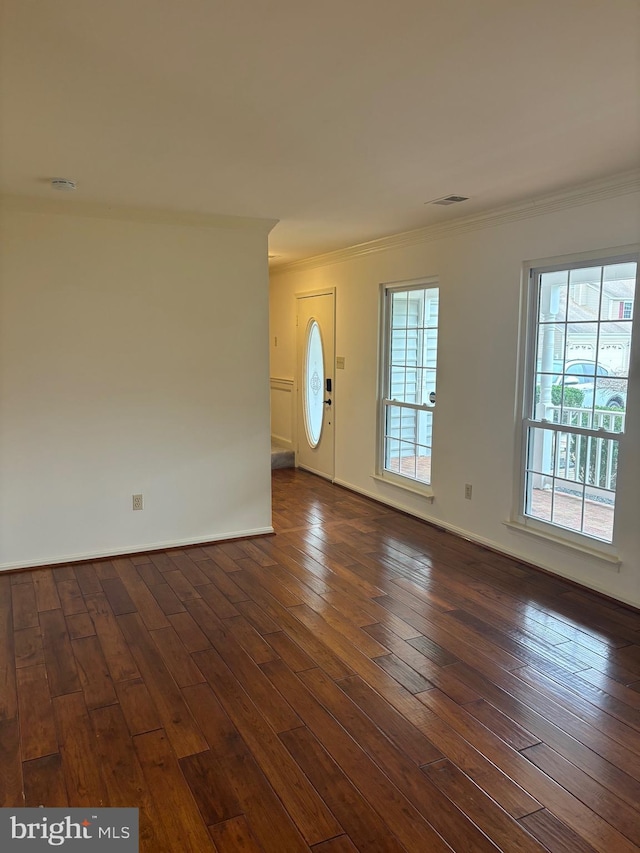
[[480, 276], [132, 361]]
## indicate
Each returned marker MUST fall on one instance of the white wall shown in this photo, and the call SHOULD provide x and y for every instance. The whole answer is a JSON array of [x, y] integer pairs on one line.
[[480, 273], [132, 360]]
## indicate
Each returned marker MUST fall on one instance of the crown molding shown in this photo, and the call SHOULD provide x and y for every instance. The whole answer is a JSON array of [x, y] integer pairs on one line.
[[612, 187], [157, 216]]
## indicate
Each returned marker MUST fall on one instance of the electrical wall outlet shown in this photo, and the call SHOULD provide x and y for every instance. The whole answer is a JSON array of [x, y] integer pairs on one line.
[[467, 491], [137, 502]]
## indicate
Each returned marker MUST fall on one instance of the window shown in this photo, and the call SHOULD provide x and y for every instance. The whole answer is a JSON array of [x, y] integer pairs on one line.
[[313, 385], [625, 309], [408, 381], [575, 409]]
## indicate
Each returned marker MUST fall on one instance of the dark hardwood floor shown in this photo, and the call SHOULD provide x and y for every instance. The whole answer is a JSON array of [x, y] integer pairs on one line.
[[360, 681]]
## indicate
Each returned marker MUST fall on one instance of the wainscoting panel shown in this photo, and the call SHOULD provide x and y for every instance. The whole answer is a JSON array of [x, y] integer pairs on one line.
[[282, 412]]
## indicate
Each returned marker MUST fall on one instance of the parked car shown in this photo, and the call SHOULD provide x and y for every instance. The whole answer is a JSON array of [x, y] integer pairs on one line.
[[592, 379], [578, 372], [610, 394]]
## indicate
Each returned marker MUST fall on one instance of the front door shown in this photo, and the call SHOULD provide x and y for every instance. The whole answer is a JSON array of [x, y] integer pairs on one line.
[[315, 381]]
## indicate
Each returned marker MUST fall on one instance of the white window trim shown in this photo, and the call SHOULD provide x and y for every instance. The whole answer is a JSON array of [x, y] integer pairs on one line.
[[607, 554], [518, 522], [406, 484], [380, 474], [626, 302]]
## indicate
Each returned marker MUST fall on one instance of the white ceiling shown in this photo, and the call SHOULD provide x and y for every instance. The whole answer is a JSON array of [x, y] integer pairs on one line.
[[339, 118]]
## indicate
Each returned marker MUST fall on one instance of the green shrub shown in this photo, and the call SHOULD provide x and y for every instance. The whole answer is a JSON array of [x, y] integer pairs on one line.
[[573, 397]]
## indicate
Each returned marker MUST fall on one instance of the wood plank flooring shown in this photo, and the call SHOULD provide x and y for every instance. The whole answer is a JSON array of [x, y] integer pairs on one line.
[[359, 681]]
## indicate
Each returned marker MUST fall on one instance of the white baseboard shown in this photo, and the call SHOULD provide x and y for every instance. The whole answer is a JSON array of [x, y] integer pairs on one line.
[[137, 549], [318, 474]]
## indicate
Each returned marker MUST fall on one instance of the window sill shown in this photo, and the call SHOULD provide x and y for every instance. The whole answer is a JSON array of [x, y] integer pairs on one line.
[[605, 556], [425, 492]]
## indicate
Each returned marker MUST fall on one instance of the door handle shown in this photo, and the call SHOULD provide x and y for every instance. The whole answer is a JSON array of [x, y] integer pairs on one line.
[[327, 402]]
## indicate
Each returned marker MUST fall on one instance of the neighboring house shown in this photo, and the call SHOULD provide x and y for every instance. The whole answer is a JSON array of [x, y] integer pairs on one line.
[[586, 334], [612, 348]]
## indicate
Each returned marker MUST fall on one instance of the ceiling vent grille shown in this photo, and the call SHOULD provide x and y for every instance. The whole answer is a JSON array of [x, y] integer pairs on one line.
[[450, 199], [63, 184]]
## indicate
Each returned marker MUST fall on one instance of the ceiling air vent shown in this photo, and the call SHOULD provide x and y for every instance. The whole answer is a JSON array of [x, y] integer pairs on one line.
[[450, 199], [63, 184]]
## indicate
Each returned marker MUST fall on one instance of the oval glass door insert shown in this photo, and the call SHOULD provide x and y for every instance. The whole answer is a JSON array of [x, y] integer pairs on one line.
[[313, 390]]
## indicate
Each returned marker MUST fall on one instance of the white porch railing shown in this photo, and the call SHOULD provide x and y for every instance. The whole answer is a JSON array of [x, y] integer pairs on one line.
[[587, 458], [610, 420]]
